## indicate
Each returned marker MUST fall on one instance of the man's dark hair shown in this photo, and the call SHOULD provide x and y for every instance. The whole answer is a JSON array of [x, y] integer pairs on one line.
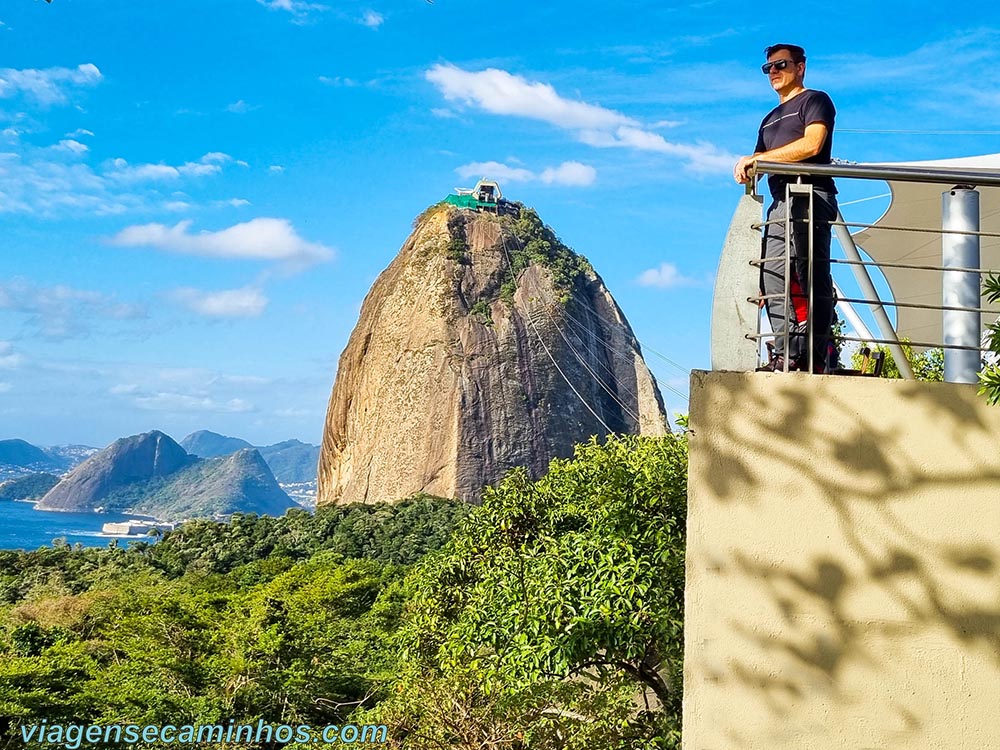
[[798, 54]]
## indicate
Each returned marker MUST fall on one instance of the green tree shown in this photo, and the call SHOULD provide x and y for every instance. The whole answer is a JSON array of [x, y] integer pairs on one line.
[[989, 376], [927, 365], [554, 617]]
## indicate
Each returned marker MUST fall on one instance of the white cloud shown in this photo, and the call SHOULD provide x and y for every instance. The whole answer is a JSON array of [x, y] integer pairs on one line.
[[567, 173], [177, 206], [184, 402], [372, 19], [71, 146], [9, 359], [240, 107], [238, 202], [338, 81], [80, 133], [276, 169], [49, 86], [494, 170], [229, 303], [59, 180], [258, 239], [40, 182], [299, 9], [122, 171], [501, 93], [700, 156], [667, 276], [61, 312]]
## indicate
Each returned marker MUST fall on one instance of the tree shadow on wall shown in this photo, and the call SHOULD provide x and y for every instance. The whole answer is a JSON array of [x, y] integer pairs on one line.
[[865, 474]]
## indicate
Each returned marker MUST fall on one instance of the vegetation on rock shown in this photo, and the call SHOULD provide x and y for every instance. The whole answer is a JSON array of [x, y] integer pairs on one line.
[[532, 241]]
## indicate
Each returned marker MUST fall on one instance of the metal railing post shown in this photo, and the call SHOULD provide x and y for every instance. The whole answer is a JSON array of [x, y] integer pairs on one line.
[[960, 213], [788, 262], [810, 317], [961, 308]]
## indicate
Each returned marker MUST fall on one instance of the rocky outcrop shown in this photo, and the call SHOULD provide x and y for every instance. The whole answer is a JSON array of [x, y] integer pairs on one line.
[[124, 462], [152, 474], [238, 483], [486, 344]]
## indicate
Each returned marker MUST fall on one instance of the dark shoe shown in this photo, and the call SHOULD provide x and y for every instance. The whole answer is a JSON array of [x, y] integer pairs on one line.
[[772, 358], [777, 364]]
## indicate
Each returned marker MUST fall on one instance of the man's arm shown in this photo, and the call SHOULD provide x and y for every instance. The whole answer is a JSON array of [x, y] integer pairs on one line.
[[810, 144]]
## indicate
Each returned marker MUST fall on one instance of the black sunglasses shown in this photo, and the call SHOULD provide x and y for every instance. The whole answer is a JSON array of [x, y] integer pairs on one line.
[[777, 65]]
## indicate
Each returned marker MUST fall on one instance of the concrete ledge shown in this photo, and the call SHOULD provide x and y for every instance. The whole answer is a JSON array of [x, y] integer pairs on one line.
[[843, 565]]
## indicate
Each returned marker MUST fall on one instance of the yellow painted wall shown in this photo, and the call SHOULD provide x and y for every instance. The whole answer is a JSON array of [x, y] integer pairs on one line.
[[843, 565]]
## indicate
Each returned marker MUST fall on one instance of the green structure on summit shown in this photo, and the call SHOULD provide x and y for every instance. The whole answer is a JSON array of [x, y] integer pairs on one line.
[[485, 196]]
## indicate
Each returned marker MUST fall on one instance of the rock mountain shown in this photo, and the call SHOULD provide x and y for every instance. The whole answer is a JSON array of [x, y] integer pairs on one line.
[[150, 473], [486, 344], [290, 460]]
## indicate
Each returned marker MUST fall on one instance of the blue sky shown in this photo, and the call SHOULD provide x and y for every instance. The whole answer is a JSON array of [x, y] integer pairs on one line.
[[196, 196]]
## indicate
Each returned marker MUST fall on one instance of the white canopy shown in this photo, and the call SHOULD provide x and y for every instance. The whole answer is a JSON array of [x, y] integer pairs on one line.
[[919, 206]]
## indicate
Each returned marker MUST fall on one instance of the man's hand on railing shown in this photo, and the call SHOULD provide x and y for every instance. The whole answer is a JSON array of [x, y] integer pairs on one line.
[[743, 171]]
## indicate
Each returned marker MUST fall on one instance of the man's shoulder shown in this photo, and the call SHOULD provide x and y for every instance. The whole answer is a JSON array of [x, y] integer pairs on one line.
[[816, 95], [817, 105]]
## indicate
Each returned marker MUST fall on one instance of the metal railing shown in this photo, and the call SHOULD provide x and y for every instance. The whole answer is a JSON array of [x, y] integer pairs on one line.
[[961, 306]]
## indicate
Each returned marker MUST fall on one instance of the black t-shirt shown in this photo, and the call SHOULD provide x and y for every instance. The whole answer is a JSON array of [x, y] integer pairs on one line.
[[786, 123]]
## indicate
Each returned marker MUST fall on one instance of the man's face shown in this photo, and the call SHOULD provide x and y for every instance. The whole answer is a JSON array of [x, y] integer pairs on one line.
[[790, 77]]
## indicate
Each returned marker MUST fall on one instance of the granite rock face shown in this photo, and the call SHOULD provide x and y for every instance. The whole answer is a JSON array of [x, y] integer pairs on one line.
[[484, 345]]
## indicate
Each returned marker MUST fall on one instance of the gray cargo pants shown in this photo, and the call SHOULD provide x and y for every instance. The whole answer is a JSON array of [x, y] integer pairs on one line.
[[772, 276]]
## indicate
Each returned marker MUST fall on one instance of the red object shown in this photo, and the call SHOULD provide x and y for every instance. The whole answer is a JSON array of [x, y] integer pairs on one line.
[[799, 300]]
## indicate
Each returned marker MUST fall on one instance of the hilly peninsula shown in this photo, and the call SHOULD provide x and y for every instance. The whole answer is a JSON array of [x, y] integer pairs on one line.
[[151, 474]]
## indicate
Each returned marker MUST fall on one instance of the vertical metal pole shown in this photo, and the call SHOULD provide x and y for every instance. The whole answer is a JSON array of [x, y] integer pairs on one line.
[[868, 290], [960, 213], [852, 316], [788, 271], [810, 318]]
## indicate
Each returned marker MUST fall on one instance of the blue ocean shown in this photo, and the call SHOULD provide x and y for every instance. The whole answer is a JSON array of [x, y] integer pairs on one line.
[[23, 527]]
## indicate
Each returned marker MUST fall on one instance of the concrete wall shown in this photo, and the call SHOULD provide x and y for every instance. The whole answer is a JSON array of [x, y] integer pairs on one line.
[[843, 569]]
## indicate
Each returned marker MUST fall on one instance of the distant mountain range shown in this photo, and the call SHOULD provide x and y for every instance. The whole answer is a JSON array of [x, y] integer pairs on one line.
[[154, 475], [212, 445], [291, 461], [19, 458]]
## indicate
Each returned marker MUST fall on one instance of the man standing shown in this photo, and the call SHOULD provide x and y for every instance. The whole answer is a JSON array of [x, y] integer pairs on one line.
[[799, 129]]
